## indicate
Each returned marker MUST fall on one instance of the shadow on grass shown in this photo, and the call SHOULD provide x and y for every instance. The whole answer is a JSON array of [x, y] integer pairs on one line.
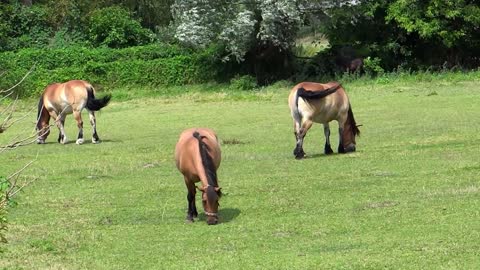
[[319, 155], [87, 141], [226, 215], [322, 155]]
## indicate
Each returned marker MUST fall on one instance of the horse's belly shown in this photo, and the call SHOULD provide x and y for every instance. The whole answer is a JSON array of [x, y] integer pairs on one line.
[[67, 109], [323, 118]]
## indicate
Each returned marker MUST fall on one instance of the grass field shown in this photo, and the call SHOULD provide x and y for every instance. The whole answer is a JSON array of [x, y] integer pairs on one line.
[[409, 198]]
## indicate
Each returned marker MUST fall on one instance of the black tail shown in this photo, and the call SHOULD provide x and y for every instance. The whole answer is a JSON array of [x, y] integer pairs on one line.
[[207, 160], [96, 104], [351, 121], [302, 92], [39, 112]]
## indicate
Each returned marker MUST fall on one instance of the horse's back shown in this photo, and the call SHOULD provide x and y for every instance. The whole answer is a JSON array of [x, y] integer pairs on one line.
[[67, 96], [324, 110], [187, 152]]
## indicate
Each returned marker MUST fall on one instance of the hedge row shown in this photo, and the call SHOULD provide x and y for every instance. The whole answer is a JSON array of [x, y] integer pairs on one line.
[[150, 65]]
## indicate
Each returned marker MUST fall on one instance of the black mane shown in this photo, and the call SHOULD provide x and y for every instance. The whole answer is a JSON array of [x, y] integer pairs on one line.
[[207, 161]]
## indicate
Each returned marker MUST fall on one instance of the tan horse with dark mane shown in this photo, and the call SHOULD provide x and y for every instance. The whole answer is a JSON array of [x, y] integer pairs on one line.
[[198, 155], [321, 103], [60, 99]]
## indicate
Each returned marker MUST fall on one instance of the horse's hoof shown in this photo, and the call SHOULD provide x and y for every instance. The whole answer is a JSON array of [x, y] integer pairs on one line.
[[300, 156], [79, 141], [95, 141], [40, 142], [328, 151], [64, 142]]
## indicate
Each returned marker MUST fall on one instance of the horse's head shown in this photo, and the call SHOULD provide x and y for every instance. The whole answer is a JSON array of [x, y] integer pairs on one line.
[[43, 130], [42, 127], [348, 137], [210, 198]]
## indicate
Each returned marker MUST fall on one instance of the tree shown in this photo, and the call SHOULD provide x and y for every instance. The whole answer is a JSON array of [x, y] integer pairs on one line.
[[407, 33], [452, 25], [114, 27], [256, 31], [238, 25]]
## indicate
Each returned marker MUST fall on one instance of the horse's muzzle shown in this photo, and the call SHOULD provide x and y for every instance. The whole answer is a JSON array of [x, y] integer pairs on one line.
[[350, 148], [212, 220]]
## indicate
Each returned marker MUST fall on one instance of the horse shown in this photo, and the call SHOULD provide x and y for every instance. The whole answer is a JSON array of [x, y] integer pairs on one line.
[[355, 65], [197, 156], [321, 103], [60, 99]]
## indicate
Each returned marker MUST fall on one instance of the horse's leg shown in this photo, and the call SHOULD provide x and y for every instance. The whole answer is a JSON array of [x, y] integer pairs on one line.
[[63, 135], [93, 122], [298, 151], [78, 117], [60, 121], [341, 149], [192, 209], [326, 131]]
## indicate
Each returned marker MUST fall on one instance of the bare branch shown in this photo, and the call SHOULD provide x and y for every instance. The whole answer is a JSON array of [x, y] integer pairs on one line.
[[17, 84], [7, 115], [17, 120], [14, 187]]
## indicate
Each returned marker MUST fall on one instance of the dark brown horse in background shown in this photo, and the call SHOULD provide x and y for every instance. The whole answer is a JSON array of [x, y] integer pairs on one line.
[[197, 156], [321, 103], [60, 99]]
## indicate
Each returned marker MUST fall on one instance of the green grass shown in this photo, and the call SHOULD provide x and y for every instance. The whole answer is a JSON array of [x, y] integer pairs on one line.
[[409, 198]]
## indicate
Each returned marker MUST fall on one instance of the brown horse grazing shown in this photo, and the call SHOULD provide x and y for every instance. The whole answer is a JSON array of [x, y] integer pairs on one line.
[[60, 99], [321, 103], [198, 155]]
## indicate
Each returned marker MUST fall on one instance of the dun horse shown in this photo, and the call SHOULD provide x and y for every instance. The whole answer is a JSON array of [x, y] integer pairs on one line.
[[60, 99], [198, 155], [321, 103]]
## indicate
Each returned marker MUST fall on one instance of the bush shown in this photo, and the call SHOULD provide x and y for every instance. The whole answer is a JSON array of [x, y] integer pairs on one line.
[[23, 27], [114, 27], [372, 66], [150, 65], [245, 82]]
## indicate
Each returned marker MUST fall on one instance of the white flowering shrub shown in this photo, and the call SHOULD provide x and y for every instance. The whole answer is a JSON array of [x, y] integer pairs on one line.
[[239, 25]]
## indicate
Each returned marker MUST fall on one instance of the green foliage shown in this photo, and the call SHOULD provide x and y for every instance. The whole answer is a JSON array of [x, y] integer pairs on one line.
[[449, 21], [245, 82], [108, 68], [409, 34], [23, 27], [372, 66], [65, 22], [114, 27]]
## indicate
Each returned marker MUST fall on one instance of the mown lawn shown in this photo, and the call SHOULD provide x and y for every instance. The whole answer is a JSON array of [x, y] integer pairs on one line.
[[409, 198]]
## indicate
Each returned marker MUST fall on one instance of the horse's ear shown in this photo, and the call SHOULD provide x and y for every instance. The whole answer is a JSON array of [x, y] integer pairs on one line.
[[219, 191]]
